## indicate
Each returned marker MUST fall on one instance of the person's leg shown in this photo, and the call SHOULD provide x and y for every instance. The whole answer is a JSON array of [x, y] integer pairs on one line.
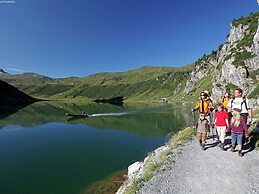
[[204, 137], [222, 137], [199, 138], [218, 132], [233, 141], [239, 144]]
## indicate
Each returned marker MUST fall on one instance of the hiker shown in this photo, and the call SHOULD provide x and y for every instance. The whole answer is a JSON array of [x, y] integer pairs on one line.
[[221, 123], [241, 103], [224, 100], [208, 94], [202, 127], [238, 127], [205, 105]]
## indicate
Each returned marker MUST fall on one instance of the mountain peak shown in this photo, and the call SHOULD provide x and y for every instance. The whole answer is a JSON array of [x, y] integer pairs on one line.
[[2, 72]]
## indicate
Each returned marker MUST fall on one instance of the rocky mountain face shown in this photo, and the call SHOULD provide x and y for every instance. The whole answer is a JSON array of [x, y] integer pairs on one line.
[[234, 64]]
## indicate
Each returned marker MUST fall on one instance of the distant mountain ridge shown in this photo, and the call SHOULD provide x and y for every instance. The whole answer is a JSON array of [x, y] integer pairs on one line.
[[2, 72], [234, 64]]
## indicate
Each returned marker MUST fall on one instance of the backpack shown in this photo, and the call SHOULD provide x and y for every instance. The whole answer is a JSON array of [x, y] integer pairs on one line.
[[244, 101]]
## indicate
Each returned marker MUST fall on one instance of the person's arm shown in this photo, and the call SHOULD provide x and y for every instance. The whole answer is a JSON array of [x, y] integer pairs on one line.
[[196, 107], [227, 119], [213, 125], [211, 106], [227, 122], [250, 115], [250, 111], [229, 106], [244, 127]]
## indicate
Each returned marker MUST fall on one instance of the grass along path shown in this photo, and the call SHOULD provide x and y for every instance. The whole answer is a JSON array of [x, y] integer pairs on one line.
[[192, 170]]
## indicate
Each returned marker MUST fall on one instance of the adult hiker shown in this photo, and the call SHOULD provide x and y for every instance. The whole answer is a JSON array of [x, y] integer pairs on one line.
[[205, 106], [224, 100], [221, 123], [242, 103], [202, 127], [238, 127]]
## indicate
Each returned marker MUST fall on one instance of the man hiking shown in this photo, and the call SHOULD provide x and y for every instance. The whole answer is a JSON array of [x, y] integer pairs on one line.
[[242, 103], [205, 106]]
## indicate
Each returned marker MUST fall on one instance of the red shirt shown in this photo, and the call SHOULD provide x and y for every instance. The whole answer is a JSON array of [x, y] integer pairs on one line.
[[221, 118]]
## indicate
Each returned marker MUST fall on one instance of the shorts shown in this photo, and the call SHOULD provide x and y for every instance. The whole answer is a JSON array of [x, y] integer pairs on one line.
[[236, 138]]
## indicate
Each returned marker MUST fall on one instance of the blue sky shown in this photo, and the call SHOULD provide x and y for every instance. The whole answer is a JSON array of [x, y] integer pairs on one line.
[[61, 38]]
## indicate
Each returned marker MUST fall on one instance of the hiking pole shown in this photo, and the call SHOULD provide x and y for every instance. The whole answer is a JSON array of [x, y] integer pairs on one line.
[[212, 129], [193, 122]]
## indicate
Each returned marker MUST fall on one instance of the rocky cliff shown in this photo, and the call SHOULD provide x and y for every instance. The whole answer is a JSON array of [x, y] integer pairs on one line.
[[234, 64]]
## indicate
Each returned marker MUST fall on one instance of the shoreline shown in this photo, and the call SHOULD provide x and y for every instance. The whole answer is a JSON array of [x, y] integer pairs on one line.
[[141, 172]]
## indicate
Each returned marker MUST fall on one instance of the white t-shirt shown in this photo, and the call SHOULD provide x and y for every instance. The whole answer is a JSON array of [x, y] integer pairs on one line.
[[237, 102]]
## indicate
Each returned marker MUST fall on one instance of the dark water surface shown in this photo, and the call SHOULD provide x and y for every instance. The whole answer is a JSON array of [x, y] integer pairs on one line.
[[43, 153]]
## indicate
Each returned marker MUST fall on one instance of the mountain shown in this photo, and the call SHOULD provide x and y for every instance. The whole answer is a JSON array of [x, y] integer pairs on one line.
[[2, 72], [11, 96], [233, 64], [145, 83]]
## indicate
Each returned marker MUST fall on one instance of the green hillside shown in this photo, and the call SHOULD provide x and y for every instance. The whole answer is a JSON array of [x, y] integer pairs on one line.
[[11, 96], [145, 83]]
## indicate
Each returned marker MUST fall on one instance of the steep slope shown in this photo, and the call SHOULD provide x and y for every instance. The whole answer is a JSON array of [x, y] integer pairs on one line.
[[10, 95], [234, 64]]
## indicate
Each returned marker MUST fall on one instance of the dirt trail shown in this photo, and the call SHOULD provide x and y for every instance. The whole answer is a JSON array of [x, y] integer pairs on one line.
[[212, 171]]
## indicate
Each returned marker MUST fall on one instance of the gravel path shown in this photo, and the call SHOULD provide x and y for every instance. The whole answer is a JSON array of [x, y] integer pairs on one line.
[[211, 171]]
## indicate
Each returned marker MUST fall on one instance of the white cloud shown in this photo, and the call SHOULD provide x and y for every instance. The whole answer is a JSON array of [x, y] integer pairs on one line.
[[13, 69]]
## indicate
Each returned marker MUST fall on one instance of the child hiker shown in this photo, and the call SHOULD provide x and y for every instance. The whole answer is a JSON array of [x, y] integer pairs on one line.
[[238, 127], [202, 127], [221, 123]]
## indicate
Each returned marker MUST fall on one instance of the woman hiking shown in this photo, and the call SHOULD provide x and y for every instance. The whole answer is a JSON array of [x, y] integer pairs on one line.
[[238, 127], [221, 123], [224, 100]]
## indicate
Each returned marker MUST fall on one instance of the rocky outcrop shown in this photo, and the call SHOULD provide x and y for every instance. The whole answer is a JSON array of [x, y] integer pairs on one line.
[[235, 63]]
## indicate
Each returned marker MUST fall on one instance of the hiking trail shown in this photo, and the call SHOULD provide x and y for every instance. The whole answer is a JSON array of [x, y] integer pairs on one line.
[[213, 171]]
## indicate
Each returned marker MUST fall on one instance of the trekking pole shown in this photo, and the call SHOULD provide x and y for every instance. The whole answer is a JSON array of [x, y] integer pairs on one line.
[[212, 121], [193, 122]]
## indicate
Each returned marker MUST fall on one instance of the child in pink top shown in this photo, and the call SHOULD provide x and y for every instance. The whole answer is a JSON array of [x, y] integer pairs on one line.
[[238, 128]]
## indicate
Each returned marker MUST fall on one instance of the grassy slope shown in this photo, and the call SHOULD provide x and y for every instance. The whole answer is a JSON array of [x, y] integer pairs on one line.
[[146, 83]]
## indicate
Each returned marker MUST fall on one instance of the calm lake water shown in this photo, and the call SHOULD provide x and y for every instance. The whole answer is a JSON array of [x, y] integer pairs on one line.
[[43, 153]]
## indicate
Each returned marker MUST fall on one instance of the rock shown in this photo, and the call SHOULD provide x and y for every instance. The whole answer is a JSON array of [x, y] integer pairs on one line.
[[133, 168]]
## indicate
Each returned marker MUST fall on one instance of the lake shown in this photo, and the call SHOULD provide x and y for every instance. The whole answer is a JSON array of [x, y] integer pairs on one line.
[[43, 152]]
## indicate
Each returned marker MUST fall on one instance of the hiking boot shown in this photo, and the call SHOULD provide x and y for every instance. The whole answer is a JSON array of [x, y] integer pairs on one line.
[[222, 147], [203, 147], [240, 153], [232, 148]]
